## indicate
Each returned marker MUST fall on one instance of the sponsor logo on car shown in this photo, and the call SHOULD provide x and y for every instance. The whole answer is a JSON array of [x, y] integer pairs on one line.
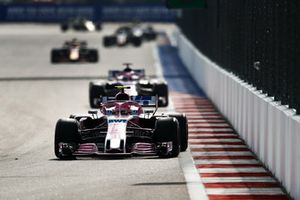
[[117, 121]]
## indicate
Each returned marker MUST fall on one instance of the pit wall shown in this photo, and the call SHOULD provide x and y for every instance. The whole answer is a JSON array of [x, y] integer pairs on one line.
[[270, 129]]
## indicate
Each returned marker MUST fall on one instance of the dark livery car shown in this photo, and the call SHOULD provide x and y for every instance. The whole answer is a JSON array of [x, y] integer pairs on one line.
[[80, 24], [74, 51], [134, 35], [122, 127], [138, 84]]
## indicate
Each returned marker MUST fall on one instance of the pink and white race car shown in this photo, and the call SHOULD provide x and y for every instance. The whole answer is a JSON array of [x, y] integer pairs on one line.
[[135, 78], [122, 127]]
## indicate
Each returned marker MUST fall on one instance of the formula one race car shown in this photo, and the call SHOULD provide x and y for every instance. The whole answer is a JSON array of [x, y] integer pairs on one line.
[[121, 128], [74, 51], [130, 35], [80, 24], [135, 78]]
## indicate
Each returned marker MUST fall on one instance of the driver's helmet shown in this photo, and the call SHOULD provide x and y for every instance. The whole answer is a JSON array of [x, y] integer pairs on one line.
[[122, 96], [75, 42]]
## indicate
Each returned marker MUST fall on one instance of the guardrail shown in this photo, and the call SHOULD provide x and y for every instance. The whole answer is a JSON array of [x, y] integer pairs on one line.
[[271, 130], [96, 12]]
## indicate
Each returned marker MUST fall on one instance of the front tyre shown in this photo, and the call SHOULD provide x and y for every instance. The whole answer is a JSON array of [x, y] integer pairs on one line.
[[167, 130], [93, 56], [183, 129], [96, 91], [162, 91], [66, 131]]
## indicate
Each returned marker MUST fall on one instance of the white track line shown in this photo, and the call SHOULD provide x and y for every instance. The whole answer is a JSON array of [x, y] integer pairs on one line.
[[157, 63], [193, 181], [245, 191]]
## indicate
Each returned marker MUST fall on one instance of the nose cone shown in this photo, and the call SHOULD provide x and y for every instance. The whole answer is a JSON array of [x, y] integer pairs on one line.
[[115, 143]]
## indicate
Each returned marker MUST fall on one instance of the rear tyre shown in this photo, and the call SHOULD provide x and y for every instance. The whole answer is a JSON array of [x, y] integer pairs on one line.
[[93, 56], [183, 129], [96, 91], [136, 41], [98, 27], [167, 130], [109, 41], [150, 36], [55, 56], [162, 91], [64, 27], [66, 131]]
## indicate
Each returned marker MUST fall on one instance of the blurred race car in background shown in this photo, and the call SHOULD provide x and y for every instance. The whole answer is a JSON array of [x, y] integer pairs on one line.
[[74, 51], [132, 34], [122, 128], [80, 24], [135, 78]]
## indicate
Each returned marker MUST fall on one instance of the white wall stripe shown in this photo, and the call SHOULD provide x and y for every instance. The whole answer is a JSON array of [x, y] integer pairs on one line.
[[209, 125]]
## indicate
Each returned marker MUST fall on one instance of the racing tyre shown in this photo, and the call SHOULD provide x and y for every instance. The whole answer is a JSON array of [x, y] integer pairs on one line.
[[95, 92], [55, 56], [98, 27], [161, 90], [183, 129], [136, 41], [64, 27], [66, 131], [167, 130], [150, 36], [109, 41], [93, 56]]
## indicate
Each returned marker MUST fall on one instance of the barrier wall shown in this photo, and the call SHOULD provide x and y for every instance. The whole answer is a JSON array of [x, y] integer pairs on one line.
[[270, 129], [97, 12]]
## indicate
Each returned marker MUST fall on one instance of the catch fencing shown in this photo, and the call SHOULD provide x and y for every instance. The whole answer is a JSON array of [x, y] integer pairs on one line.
[[257, 40]]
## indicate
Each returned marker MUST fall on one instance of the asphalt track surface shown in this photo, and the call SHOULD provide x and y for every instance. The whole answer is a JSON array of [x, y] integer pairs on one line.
[[34, 94]]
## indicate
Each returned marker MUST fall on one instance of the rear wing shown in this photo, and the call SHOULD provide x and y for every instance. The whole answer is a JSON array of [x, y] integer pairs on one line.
[[144, 101], [114, 73]]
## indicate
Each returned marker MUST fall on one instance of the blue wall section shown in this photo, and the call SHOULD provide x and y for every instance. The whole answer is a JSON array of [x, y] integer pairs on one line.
[[176, 74], [97, 12]]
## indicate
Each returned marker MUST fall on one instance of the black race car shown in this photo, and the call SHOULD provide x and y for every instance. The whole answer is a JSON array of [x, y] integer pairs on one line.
[[74, 51], [122, 127], [80, 24], [135, 78], [134, 35]]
